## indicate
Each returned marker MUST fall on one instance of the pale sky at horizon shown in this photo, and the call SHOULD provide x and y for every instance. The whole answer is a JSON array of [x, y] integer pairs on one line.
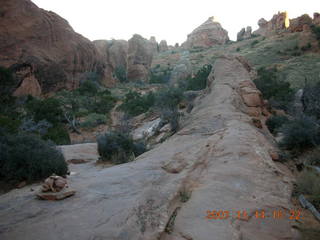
[[171, 20]]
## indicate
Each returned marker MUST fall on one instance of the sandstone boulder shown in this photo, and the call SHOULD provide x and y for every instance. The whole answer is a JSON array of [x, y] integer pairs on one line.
[[58, 56], [153, 45], [140, 56], [208, 34]]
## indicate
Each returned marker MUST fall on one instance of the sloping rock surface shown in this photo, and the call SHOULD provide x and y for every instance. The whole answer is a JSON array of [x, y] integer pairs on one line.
[[218, 161], [57, 56]]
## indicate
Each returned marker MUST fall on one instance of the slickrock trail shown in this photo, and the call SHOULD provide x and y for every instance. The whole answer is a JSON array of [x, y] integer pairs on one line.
[[219, 160]]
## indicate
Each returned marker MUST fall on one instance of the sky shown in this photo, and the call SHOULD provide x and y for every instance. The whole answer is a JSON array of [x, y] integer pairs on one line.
[[171, 20]]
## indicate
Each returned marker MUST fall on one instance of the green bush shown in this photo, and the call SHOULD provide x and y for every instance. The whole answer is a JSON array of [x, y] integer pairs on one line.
[[300, 134], [93, 120], [277, 91], [116, 147], [274, 123], [171, 116], [313, 157], [48, 109], [58, 134], [28, 158], [311, 99], [9, 124], [121, 73], [135, 103], [308, 184], [162, 77], [88, 87], [199, 81], [253, 43], [169, 98], [6, 81], [316, 31]]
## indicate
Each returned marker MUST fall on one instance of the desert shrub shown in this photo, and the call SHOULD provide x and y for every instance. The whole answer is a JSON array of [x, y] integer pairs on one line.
[[6, 81], [48, 109], [171, 116], [169, 98], [306, 47], [102, 104], [28, 125], [9, 124], [27, 157], [116, 147], [135, 103], [121, 73], [311, 99], [308, 184], [274, 123], [276, 90], [313, 157], [162, 77], [253, 43], [238, 49], [299, 134], [88, 87], [58, 134], [316, 31], [199, 81], [93, 120]]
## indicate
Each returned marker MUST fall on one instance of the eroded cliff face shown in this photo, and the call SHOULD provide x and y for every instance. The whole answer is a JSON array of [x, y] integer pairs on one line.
[[56, 55], [140, 54], [208, 34], [219, 160]]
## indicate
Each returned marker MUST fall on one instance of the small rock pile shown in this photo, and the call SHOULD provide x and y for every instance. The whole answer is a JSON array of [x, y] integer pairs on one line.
[[55, 188]]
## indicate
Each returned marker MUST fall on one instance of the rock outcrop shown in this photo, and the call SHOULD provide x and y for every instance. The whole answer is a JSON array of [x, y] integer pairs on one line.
[[154, 45], [244, 33], [140, 54], [300, 24], [218, 161], [208, 34], [278, 24], [163, 46], [115, 55], [58, 56], [316, 19]]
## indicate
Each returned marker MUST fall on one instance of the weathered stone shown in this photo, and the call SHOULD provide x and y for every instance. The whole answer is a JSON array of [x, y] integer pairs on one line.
[[316, 18], [58, 56], [54, 196], [278, 24], [163, 46], [299, 24], [244, 33], [206, 35], [139, 58]]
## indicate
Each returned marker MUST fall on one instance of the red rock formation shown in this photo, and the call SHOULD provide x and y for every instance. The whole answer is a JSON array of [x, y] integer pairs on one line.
[[114, 54], [206, 35], [277, 24], [57, 55], [316, 18], [140, 56], [300, 23]]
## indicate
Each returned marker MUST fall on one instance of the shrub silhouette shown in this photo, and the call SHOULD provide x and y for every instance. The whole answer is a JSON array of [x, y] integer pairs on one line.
[[27, 157]]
